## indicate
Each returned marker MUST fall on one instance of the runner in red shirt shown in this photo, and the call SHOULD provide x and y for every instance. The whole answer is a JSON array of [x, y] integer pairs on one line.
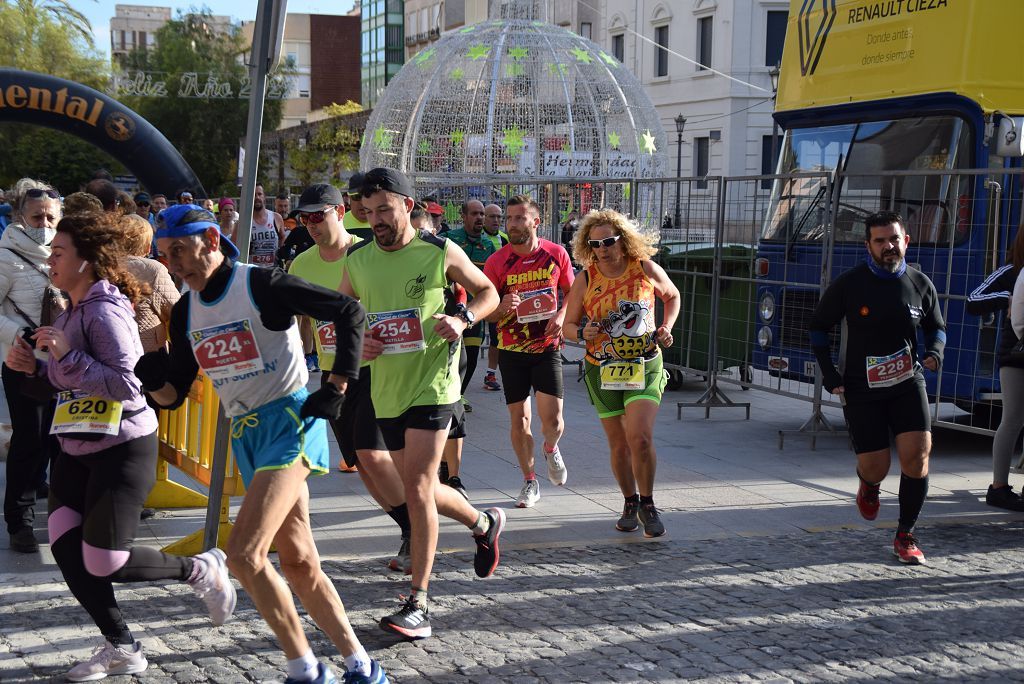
[[528, 273]]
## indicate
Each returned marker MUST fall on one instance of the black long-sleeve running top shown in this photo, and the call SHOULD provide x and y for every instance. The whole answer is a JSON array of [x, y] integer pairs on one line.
[[279, 297], [880, 312]]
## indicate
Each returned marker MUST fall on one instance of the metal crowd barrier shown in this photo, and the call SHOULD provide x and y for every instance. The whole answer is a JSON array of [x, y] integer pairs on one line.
[[194, 438]]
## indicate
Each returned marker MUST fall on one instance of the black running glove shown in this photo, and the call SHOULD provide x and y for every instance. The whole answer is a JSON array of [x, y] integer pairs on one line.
[[326, 402], [152, 369]]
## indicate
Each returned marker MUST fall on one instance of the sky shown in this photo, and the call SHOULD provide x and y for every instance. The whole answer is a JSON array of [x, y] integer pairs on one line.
[[100, 12]]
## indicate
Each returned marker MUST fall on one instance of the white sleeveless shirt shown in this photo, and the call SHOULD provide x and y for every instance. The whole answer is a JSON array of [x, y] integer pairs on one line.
[[248, 364], [264, 242]]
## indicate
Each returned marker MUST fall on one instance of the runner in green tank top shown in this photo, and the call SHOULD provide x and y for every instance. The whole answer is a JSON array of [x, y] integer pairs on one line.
[[360, 441], [413, 345]]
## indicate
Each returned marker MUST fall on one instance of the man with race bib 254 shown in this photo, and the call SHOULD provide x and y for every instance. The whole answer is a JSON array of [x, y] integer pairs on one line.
[[881, 304]]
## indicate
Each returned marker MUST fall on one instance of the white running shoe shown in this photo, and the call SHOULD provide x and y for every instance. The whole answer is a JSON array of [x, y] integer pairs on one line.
[[557, 472], [109, 659], [213, 585], [529, 494]]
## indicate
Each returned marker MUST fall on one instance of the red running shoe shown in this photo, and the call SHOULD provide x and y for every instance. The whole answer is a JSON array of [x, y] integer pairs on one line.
[[867, 500], [905, 547]]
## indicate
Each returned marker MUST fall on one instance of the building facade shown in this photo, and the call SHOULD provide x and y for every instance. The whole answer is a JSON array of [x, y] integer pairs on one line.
[[680, 50], [134, 27], [382, 47]]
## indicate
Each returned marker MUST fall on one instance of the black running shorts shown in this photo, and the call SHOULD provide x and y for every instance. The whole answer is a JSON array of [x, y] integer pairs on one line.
[[356, 429], [873, 419], [525, 371], [415, 418]]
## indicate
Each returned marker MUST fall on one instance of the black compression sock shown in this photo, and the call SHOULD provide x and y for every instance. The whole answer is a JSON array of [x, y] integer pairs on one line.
[[400, 514], [913, 491], [633, 499], [645, 500]]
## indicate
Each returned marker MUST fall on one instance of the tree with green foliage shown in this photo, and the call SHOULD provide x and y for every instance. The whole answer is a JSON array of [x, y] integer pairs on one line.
[[332, 150], [205, 130], [50, 37]]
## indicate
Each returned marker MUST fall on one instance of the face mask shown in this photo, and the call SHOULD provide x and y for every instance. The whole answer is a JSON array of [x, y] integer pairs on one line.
[[42, 236]]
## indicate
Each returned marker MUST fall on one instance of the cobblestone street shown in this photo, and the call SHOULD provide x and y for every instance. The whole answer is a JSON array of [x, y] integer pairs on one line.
[[832, 606]]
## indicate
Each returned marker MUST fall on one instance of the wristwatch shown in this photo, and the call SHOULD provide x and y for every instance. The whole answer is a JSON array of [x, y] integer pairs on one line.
[[465, 314]]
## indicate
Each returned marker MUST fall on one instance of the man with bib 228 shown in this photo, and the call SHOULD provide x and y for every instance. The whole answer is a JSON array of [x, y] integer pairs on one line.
[[881, 304], [611, 307], [528, 273], [413, 346], [238, 324]]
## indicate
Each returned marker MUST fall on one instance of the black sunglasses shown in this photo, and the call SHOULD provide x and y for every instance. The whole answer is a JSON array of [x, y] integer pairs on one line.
[[36, 193], [606, 242]]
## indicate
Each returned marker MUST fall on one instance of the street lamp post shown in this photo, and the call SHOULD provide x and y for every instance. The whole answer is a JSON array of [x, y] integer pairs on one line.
[[773, 73], [680, 123]]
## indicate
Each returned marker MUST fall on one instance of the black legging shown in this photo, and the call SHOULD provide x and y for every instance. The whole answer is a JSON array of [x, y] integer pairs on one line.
[[95, 501], [472, 356], [29, 453]]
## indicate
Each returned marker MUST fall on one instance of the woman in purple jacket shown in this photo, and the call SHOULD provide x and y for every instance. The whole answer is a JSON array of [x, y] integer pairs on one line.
[[107, 435]]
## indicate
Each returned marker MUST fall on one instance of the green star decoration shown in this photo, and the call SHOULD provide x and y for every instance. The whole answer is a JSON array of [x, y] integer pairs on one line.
[[424, 147], [566, 146], [608, 59], [564, 214], [512, 141], [557, 69], [457, 74], [582, 55], [478, 51], [382, 139], [518, 53], [423, 57], [458, 136], [614, 141], [647, 142]]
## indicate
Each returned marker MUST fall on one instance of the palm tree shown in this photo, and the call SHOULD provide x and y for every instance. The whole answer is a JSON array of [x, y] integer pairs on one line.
[[60, 10]]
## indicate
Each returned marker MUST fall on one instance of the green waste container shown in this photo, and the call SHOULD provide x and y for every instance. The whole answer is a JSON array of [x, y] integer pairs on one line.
[[690, 267]]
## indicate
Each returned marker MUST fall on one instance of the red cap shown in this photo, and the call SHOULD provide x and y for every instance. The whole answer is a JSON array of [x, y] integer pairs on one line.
[[435, 209]]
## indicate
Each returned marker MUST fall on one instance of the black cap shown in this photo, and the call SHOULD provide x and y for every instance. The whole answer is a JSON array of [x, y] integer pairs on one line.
[[391, 180], [141, 197], [355, 183], [316, 197]]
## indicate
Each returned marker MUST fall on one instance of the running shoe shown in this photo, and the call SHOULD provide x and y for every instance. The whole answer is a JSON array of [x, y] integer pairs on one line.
[[649, 516], [905, 547], [486, 559], [24, 541], [867, 500], [376, 676], [213, 585], [628, 521], [411, 621], [491, 382], [346, 468], [323, 676], [109, 659], [442, 472], [557, 472], [401, 560], [312, 363], [466, 406], [529, 494], [1004, 497], [455, 483]]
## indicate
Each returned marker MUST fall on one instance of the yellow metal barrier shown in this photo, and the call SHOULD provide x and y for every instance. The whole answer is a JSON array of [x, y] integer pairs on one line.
[[187, 436]]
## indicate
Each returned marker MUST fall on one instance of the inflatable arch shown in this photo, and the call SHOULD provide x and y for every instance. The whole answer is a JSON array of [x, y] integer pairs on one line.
[[42, 100]]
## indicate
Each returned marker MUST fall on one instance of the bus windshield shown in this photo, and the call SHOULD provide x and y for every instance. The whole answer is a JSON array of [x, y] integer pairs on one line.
[[798, 210]]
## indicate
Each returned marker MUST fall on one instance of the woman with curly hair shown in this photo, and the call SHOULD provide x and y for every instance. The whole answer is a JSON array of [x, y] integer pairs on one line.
[[107, 434], [611, 308]]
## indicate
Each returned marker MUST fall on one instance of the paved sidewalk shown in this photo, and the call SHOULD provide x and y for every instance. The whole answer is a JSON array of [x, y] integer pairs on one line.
[[767, 572]]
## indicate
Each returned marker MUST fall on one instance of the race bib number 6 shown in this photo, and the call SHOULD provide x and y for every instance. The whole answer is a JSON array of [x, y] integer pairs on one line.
[[400, 331], [80, 413], [886, 371], [537, 305]]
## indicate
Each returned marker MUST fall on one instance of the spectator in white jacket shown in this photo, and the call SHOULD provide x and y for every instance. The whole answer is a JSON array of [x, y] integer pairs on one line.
[[24, 278]]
